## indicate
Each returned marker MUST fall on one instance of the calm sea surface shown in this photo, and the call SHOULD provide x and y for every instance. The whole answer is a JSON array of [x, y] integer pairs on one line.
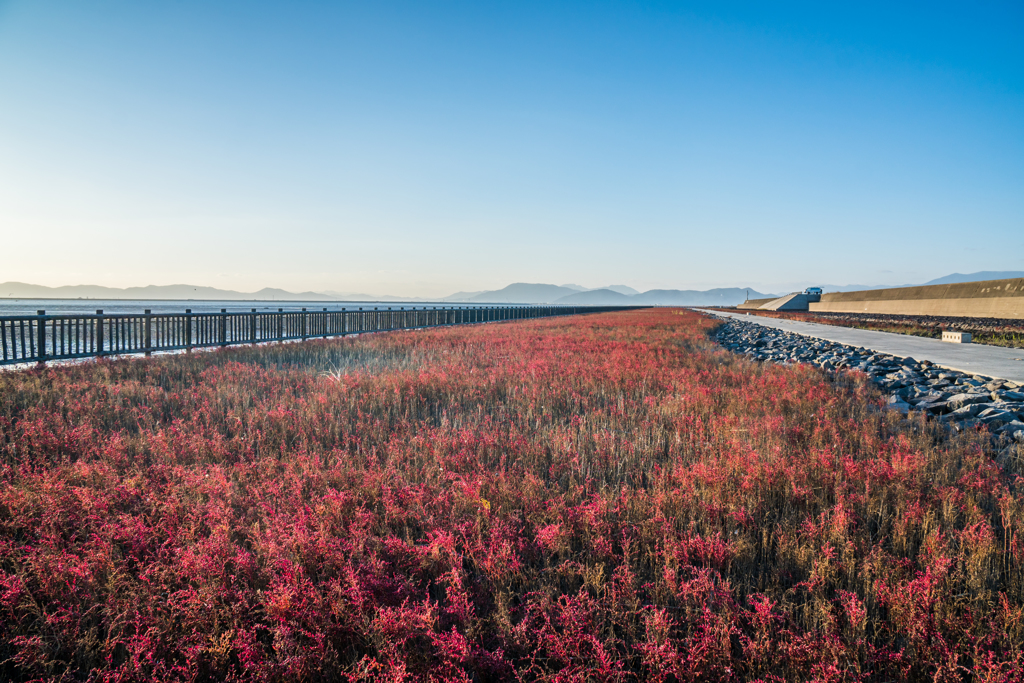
[[79, 306]]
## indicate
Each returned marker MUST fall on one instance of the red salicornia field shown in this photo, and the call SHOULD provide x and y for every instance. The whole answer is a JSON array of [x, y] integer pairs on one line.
[[599, 498]]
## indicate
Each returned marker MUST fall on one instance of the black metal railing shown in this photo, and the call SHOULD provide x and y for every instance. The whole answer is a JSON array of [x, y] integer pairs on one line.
[[41, 338]]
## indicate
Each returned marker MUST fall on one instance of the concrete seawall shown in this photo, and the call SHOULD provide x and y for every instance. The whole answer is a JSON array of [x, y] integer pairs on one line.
[[988, 299], [753, 304], [974, 308]]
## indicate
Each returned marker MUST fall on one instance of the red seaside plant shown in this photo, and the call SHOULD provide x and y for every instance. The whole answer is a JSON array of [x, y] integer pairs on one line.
[[604, 498]]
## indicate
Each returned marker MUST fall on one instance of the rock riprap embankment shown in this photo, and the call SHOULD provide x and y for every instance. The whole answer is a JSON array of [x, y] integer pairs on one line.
[[958, 398]]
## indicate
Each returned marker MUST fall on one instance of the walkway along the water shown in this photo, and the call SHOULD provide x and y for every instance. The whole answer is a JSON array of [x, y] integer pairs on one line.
[[960, 400], [980, 359]]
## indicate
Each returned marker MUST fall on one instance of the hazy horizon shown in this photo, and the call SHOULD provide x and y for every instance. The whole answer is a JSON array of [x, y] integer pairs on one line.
[[181, 291], [418, 150]]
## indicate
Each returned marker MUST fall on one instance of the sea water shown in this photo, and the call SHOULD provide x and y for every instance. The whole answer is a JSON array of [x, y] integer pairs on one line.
[[19, 307]]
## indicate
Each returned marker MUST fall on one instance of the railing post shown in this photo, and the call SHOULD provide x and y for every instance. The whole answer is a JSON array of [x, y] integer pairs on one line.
[[99, 332], [41, 338], [148, 332], [144, 333], [188, 330]]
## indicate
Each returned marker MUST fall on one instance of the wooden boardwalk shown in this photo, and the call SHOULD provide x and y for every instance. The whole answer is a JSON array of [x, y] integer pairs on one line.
[[41, 338]]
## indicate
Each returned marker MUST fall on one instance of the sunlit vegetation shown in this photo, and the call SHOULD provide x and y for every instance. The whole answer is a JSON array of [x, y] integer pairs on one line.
[[599, 498]]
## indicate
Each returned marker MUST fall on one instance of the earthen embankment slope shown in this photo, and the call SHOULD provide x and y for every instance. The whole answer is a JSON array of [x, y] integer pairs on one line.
[[987, 299], [751, 304]]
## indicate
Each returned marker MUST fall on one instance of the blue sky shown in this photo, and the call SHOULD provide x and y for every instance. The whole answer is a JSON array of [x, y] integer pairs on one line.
[[423, 148]]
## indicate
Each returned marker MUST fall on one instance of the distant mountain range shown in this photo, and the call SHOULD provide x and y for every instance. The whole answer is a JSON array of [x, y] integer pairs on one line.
[[615, 295], [722, 296], [21, 290], [957, 278], [520, 292], [526, 293]]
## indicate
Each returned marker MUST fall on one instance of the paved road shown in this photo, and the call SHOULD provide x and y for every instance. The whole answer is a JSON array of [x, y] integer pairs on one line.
[[993, 361]]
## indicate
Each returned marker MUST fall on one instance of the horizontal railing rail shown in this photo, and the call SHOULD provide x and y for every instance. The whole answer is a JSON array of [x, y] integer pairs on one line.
[[40, 338]]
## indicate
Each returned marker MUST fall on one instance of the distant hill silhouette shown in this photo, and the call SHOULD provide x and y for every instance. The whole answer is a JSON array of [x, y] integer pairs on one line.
[[523, 293], [729, 296], [528, 293], [21, 290], [519, 292], [952, 279], [461, 296], [597, 297], [980, 276]]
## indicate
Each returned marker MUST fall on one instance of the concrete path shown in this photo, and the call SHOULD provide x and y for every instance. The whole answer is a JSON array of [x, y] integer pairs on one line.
[[979, 359]]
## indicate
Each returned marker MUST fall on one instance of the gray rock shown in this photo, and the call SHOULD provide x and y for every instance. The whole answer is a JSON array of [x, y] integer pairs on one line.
[[960, 400], [949, 395], [994, 415], [934, 407], [964, 425], [899, 404], [967, 411], [1014, 430]]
